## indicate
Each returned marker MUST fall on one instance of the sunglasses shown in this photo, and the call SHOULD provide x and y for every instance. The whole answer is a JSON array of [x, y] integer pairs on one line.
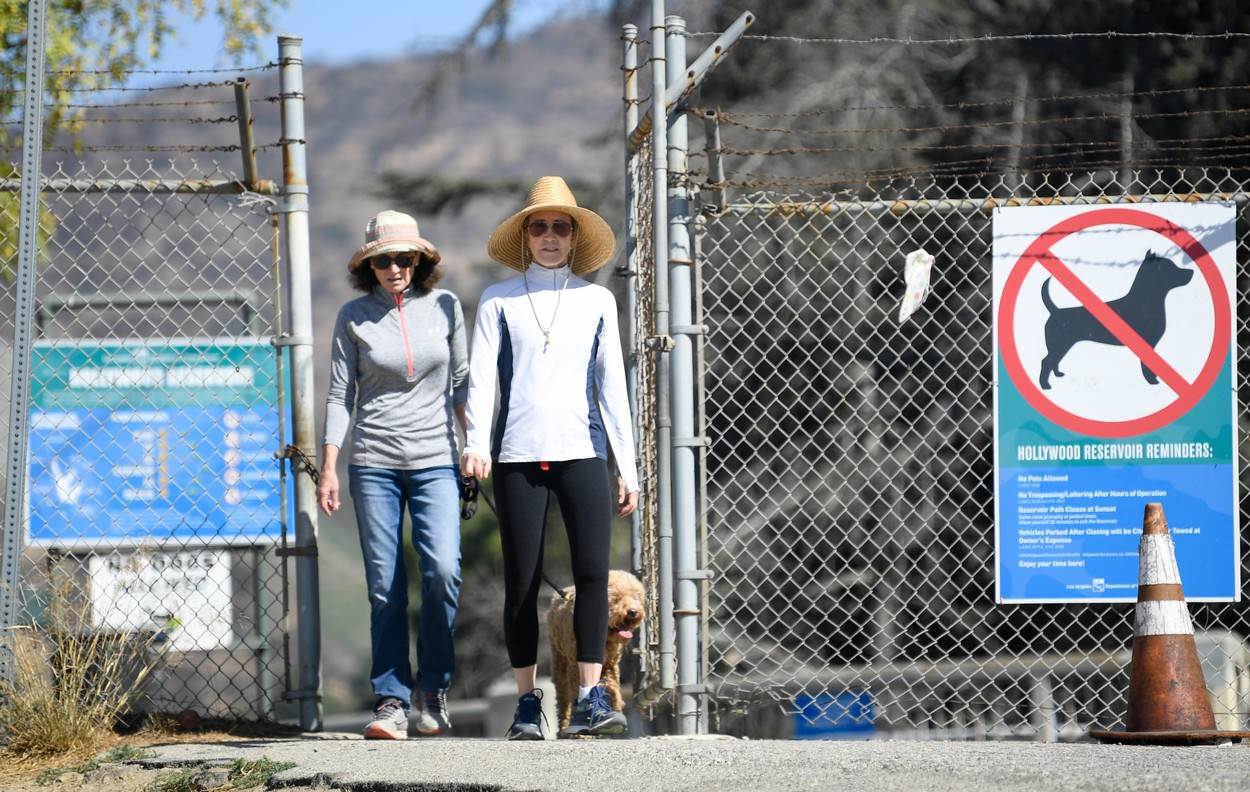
[[401, 260], [560, 228], [468, 497]]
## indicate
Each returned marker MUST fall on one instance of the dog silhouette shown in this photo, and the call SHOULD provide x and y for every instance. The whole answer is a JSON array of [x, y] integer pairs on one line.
[[1142, 309]]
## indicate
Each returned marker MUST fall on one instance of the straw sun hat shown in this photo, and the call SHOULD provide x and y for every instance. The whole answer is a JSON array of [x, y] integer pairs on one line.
[[393, 232], [595, 240]]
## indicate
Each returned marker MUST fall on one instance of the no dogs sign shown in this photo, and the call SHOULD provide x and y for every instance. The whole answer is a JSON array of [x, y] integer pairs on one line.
[[1114, 363]]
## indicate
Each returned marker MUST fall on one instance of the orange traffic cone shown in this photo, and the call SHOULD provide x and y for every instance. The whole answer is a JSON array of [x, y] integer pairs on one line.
[[1167, 697]]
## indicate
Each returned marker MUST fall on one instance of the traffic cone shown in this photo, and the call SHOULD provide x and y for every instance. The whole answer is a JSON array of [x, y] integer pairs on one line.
[[1167, 697]]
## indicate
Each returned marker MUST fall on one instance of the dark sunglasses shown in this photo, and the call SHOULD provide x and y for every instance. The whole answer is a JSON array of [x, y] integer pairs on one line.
[[560, 228], [401, 260], [468, 497]]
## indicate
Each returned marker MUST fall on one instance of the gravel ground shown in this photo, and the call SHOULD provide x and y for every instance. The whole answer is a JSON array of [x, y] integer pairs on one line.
[[644, 765]]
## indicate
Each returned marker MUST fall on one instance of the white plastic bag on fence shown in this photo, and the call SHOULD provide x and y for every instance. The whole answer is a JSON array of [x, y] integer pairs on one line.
[[916, 272]]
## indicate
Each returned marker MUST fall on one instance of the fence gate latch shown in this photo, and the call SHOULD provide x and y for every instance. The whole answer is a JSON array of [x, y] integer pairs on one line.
[[661, 343], [698, 441]]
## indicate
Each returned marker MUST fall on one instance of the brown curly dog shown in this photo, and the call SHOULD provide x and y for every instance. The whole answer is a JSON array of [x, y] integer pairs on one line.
[[626, 600]]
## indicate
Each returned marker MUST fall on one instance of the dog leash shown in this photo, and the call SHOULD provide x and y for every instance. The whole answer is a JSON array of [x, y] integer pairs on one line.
[[470, 489]]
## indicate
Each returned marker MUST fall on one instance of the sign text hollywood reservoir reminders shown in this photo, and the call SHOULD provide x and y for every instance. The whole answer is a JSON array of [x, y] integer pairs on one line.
[[1112, 451]]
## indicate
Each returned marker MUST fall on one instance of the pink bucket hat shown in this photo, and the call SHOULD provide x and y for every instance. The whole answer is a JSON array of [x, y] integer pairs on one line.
[[393, 232]]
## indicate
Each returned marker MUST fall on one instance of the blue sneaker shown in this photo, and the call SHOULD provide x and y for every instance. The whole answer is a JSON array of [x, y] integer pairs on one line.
[[593, 716], [527, 723]]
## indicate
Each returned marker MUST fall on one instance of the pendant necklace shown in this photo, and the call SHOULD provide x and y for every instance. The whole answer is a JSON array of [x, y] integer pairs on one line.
[[546, 331]]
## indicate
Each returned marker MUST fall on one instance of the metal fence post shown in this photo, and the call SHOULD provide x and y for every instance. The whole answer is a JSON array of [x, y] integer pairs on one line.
[[28, 262], [1126, 128], [715, 167], [295, 197], [663, 430], [629, 68], [681, 396]]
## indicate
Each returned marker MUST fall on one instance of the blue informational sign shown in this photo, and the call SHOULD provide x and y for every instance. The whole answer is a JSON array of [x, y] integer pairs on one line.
[[846, 715], [145, 442], [1114, 358]]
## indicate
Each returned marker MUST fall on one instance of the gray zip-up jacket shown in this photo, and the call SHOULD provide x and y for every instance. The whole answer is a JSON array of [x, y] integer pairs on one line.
[[401, 362]]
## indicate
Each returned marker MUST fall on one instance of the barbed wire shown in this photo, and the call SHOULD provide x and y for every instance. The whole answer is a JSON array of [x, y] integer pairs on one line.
[[1202, 162], [188, 120], [131, 147], [1235, 149], [728, 119], [979, 167], [986, 38], [794, 150], [114, 105], [985, 103], [218, 70], [130, 89], [156, 148]]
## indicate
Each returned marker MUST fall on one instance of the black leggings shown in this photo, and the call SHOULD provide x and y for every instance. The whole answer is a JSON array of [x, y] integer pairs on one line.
[[524, 490]]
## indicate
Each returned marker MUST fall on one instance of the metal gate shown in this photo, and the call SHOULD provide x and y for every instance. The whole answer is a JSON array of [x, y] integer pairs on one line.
[[158, 501], [851, 523], [824, 510]]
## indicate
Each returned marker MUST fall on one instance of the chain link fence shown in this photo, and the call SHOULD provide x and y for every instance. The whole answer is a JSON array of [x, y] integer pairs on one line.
[[850, 473], [643, 359], [156, 505]]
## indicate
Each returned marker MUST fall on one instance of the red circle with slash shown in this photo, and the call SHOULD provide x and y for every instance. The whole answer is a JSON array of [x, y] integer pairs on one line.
[[1039, 254]]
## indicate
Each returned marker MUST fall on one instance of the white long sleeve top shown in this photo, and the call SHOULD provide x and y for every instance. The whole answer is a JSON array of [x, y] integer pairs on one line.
[[567, 401]]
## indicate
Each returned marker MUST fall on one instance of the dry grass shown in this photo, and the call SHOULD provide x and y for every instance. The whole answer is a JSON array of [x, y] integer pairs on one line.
[[15, 769], [69, 682]]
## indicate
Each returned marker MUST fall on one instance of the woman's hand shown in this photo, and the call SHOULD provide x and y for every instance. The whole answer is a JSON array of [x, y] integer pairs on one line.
[[626, 502], [474, 466], [328, 491]]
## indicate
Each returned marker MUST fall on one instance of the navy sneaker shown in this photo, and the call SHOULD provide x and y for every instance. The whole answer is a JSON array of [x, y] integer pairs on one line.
[[593, 716], [527, 723]]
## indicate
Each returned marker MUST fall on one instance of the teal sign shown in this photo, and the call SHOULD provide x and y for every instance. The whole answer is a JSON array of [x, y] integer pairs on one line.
[[1114, 360], [142, 442]]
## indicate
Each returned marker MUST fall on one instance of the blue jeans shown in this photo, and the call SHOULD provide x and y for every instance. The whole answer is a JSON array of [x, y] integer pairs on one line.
[[432, 496]]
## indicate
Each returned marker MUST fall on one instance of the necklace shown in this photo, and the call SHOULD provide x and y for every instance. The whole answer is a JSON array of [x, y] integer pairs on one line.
[[546, 331]]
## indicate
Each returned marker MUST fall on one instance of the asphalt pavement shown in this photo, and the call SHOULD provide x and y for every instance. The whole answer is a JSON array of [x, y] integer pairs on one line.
[[668, 764]]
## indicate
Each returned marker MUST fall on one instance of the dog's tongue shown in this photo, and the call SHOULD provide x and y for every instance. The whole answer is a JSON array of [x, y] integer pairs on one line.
[[626, 634]]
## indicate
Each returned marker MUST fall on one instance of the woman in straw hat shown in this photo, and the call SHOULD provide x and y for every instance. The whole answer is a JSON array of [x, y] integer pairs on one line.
[[398, 357], [547, 342]]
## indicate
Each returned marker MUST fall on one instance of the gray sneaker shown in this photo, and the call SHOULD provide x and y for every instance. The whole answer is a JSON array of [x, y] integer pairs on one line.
[[390, 721], [433, 719]]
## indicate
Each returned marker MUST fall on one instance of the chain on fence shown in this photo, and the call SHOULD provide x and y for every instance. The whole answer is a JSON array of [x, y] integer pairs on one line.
[[642, 265], [156, 506], [851, 520]]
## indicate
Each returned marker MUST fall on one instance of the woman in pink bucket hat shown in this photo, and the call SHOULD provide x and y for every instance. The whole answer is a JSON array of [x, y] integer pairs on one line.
[[547, 342], [398, 359]]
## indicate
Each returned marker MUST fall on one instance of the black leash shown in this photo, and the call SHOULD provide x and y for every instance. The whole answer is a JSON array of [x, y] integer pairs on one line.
[[470, 490]]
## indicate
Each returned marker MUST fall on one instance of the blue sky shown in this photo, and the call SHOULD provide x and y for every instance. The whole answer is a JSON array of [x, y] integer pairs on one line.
[[342, 31]]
